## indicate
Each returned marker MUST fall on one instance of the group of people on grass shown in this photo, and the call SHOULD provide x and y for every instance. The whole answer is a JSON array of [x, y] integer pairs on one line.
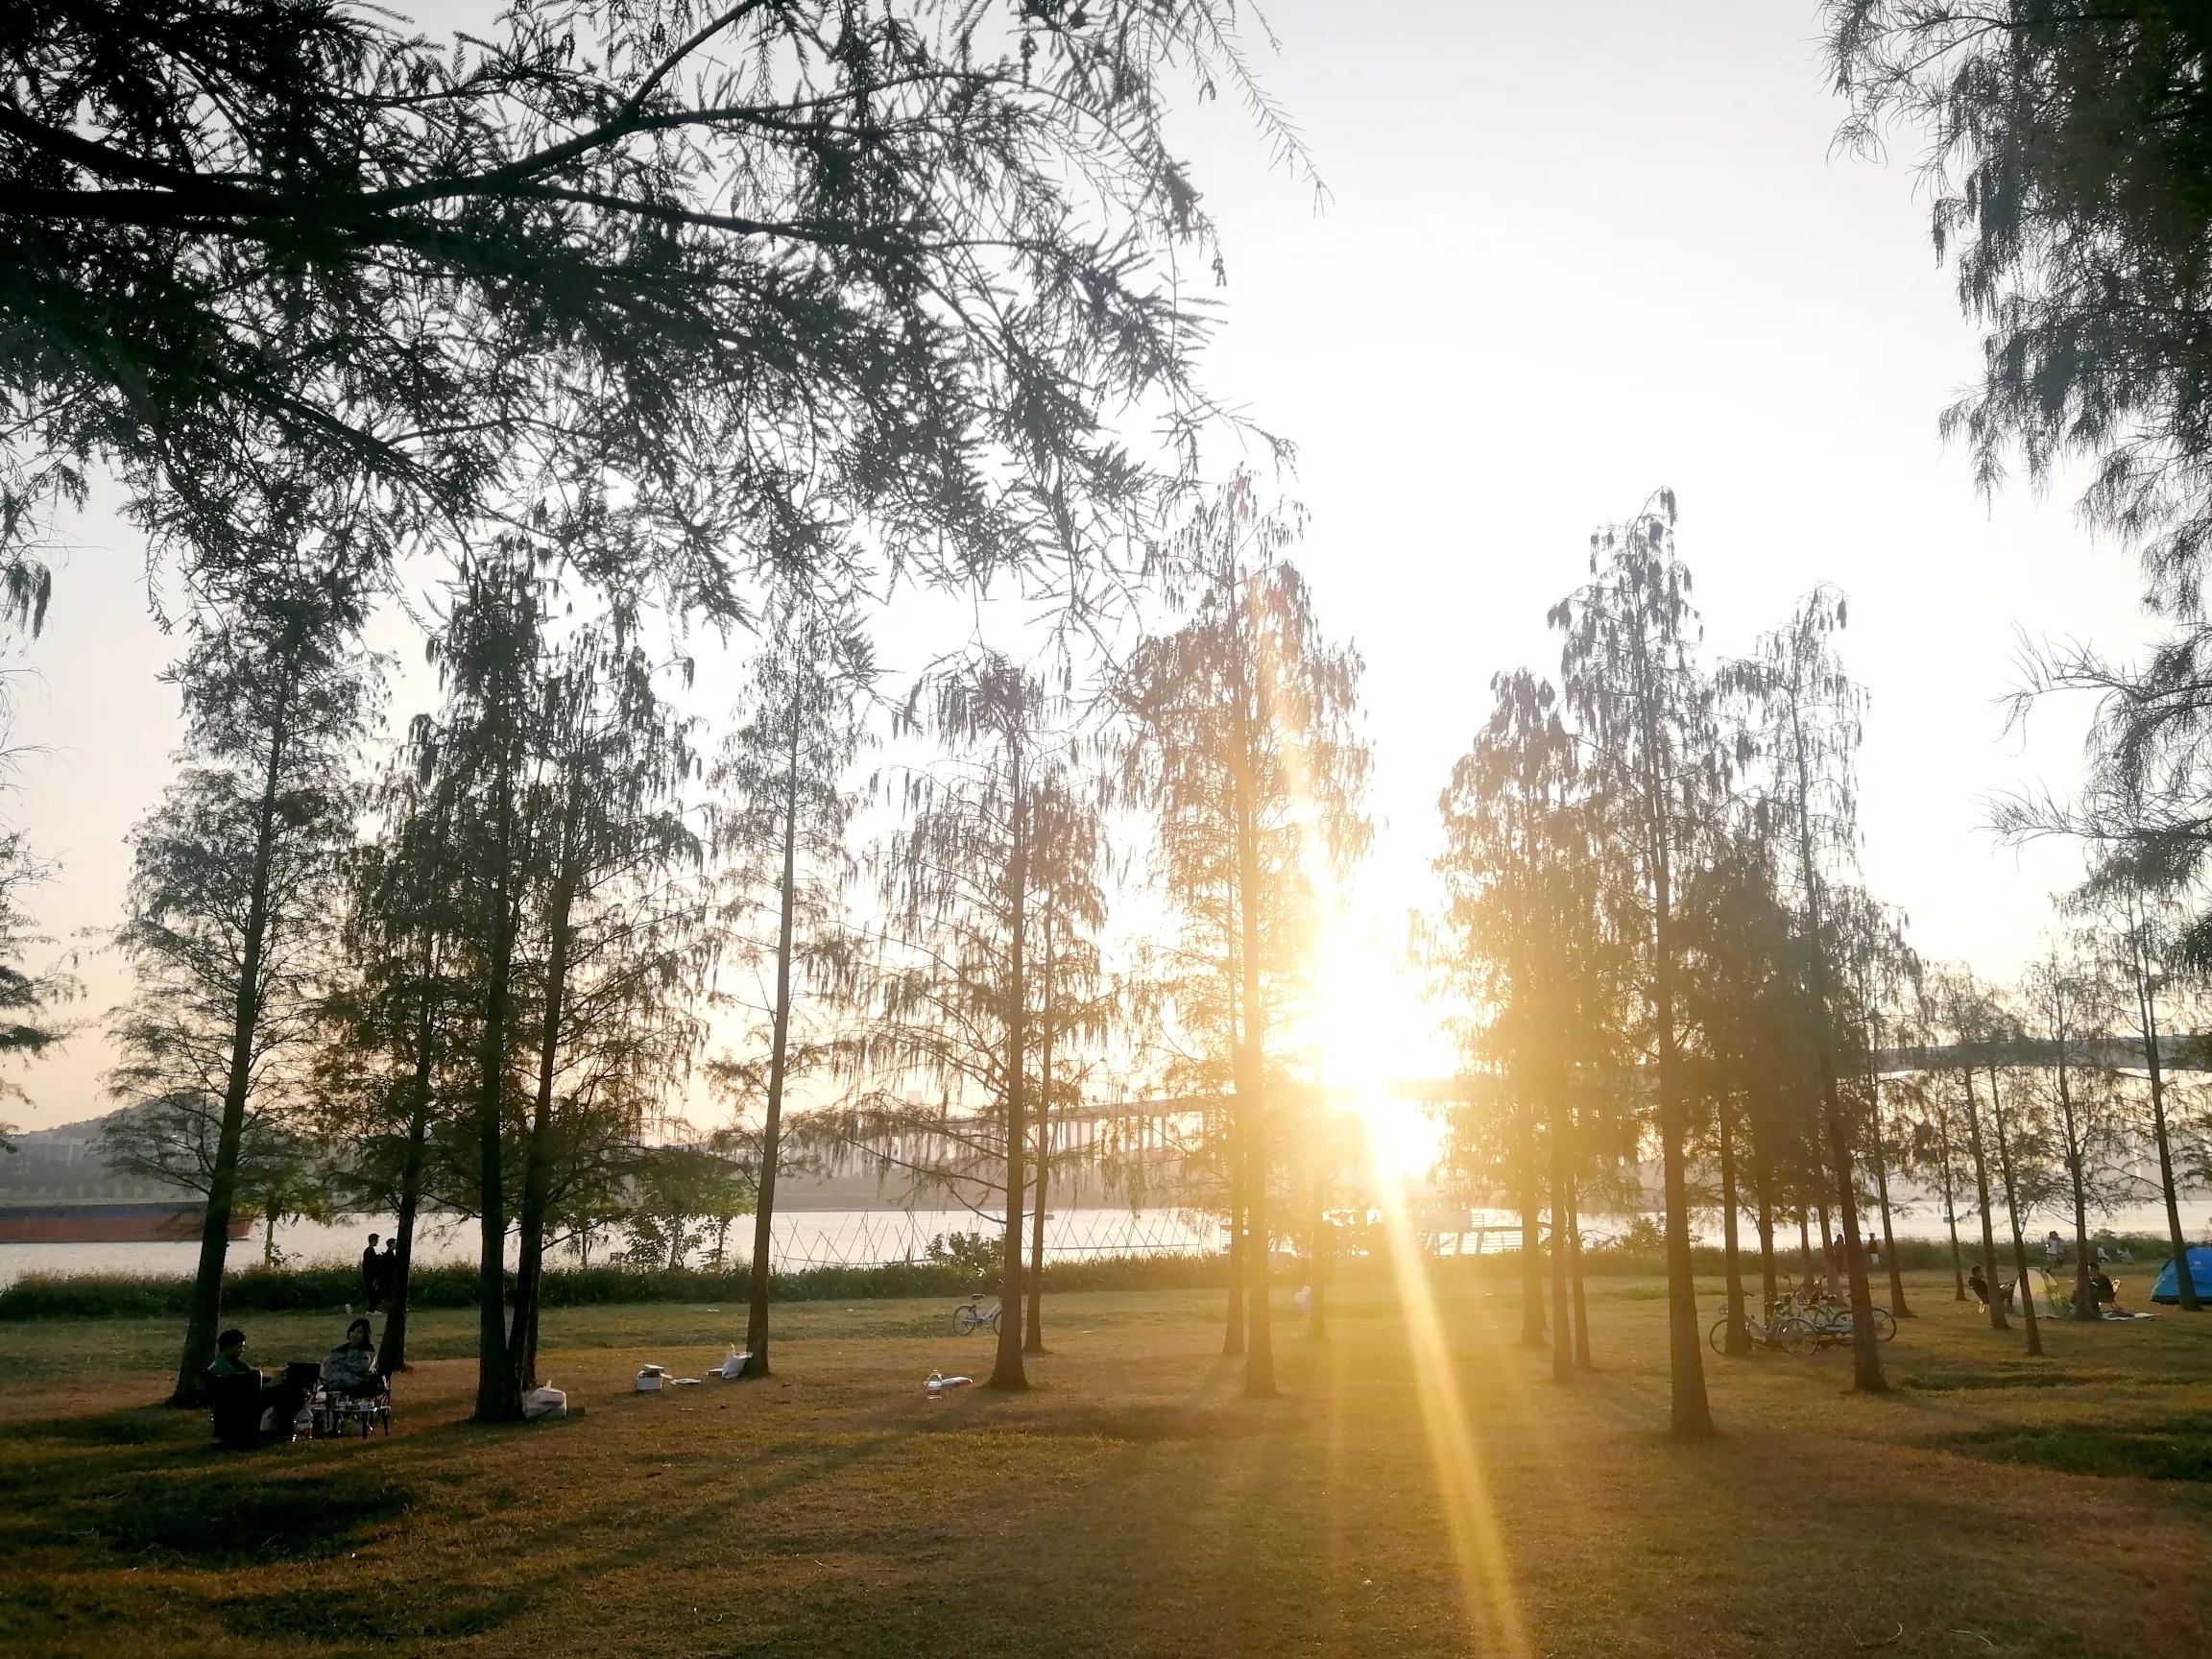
[[379, 1270], [2100, 1288], [348, 1372]]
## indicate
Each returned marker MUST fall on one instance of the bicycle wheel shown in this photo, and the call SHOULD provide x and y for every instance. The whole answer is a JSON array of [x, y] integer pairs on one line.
[[1792, 1335], [994, 1320], [1884, 1325], [965, 1319]]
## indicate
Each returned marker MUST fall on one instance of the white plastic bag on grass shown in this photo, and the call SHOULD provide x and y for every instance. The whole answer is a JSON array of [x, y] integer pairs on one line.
[[545, 1402]]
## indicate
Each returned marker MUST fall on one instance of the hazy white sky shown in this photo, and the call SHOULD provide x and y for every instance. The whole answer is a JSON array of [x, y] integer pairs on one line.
[[1571, 255]]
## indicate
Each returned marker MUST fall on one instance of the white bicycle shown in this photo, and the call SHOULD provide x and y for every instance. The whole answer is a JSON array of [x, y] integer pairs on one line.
[[972, 1314]]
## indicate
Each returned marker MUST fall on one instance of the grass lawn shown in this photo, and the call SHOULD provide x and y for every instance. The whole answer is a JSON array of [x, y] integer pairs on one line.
[[1406, 1495]]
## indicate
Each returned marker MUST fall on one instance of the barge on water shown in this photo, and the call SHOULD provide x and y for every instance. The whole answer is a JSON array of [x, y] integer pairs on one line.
[[102, 1222]]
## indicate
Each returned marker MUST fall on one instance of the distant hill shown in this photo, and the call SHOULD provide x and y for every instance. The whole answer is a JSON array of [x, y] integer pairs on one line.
[[62, 1163], [84, 1129]]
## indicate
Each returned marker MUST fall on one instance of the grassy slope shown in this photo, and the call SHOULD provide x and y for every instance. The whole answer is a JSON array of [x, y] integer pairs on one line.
[[1134, 1503]]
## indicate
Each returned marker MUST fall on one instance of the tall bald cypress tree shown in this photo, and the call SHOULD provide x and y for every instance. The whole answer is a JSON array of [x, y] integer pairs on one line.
[[1644, 715], [1244, 742], [780, 833], [233, 875]]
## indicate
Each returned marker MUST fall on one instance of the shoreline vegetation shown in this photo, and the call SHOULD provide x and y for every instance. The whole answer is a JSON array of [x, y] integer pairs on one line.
[[331, 1286]]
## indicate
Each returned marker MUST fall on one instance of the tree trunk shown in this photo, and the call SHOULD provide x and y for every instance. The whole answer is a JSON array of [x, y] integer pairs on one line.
[[2012, 1215], [1562, 1316], [200, 1324], [1251, 1079], [1739, 1338], [1950, 1208], [1232, 1332], [1866, 1347], [1888, 1234], [1531, 1205], [1006, 1370], [779, 1050], [269, 1237], [1866, 1344], [1762, 1179], [498, 1400], [1689, 1413], [538, 1159], [1317, 1205], [392, 1352], [1997, 1319], [1033, 1328], [1804, 1243], [2085, 1295], [1827, 1237], [2147, 1004], [1574, 1282]]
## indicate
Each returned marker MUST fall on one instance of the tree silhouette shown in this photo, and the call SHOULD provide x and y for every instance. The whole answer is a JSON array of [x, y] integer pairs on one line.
[[1644, 716], [1880, 974], [1976, 1023], [395, 1018], [486, 654], [1077, 1002], [1745, 1002], [29, 997], [1806, 717], [1243, 740], [2070, 1007], [619, 918], [233, 871], [952, 996], [769, 267], [781, 836], [2064, 169], [2138, 932], [1521, 937]]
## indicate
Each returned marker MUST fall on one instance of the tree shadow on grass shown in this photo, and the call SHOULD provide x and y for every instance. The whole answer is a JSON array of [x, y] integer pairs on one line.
[[2170, 1448], [1141, 1424], [387, 1614], [124, 1426], [251, 1513], [1949, 1375]]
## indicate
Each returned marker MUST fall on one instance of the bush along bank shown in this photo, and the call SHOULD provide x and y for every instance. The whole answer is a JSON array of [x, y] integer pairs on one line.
[[259, 1289], [289, 1289]]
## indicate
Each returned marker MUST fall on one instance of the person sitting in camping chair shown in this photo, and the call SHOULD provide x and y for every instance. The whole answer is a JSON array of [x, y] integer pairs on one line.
[[2106, 1292], [353, 1390], [1980, 1285], [350, 1371], [245, 1407]]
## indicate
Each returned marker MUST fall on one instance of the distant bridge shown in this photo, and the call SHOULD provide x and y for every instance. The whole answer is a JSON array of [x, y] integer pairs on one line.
[[2178, 1052]]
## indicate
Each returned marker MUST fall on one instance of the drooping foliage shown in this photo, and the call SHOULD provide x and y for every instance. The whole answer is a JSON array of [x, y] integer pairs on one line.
[[697, 282]]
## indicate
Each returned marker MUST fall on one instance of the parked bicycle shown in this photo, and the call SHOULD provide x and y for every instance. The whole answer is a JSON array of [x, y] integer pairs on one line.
[[1782, 1332], [1830, 1323], [971, 1313]]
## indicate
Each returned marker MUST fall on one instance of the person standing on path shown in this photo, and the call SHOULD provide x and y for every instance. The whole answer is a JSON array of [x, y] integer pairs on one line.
[[372, 1271]]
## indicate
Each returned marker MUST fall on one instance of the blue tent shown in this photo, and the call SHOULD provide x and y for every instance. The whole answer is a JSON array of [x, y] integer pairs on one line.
[[2200, 1274]]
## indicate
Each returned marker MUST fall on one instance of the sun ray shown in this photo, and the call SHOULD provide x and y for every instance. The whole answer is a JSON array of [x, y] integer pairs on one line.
[[1462, 1486]]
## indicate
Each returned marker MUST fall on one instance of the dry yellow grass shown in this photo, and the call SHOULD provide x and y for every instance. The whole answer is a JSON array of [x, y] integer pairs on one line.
[[1133, 1504]]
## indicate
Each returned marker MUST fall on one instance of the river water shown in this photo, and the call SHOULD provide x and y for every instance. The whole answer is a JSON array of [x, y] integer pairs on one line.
[[800, 1239], [866, 1237]]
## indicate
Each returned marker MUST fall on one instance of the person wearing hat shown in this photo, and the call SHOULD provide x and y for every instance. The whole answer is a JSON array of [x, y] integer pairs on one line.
[[239, 1410]]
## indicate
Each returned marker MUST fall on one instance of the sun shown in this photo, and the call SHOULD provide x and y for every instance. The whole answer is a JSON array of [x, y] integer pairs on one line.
[[1375, 1034], [1404, 1142]]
